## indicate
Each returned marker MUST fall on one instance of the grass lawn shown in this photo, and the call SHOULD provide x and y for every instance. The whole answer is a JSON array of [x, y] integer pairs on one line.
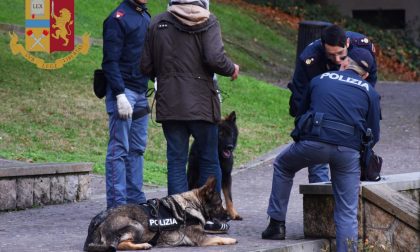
[[53, 116]]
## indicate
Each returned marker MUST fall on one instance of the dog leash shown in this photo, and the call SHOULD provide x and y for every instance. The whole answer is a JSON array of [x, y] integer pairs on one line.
[[149, 93], [154, 204]]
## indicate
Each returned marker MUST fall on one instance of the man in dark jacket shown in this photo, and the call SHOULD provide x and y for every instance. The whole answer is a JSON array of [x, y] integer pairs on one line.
[[322, 55], [124, 32], [183, 51], [338, 109]]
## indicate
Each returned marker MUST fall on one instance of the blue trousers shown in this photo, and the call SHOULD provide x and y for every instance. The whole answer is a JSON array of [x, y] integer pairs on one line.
[[124, 157], [318, 173], [177, 134], [345, 176]]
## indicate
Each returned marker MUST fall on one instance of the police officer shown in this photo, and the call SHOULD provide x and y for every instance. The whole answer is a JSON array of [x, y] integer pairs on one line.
[[322, 55], [124, 33], [340, 106]]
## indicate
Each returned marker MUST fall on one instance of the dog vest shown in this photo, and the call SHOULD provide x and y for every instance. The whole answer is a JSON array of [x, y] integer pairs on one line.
[[160, 218]]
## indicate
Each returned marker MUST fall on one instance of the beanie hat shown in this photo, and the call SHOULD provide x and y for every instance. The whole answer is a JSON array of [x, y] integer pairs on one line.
[[202, 3], [362, 57]]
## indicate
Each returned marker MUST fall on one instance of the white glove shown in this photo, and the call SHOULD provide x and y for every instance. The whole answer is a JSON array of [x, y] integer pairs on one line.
[[124, 108]]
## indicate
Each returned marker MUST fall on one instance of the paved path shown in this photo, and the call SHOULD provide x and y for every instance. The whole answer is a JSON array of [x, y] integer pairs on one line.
[[64, 227]]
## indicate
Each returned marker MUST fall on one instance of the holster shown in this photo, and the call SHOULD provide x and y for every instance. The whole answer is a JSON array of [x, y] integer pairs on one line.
[[370, 162], [302, 125], [99, 83], [140, 112], [317, 124]]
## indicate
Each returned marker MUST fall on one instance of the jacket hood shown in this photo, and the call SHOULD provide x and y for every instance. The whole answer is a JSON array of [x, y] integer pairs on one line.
[[189, 14]]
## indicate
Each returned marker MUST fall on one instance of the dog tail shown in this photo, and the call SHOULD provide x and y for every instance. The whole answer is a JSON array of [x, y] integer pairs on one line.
[[99, 248], [93, 237]]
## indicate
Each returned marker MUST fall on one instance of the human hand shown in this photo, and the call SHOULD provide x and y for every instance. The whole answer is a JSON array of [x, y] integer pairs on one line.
[[124, 108], [235, 73]]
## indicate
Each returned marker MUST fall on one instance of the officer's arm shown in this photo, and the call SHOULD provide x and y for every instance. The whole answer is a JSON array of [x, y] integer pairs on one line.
[[113, 42], [372, 78], [146, 62], [374, 116], [301, 79], [298, 87], [214, 53], [305, 102]]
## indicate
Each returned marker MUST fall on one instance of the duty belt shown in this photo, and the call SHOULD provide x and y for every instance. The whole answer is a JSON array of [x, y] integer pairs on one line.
[[338, 126], [319, 122]]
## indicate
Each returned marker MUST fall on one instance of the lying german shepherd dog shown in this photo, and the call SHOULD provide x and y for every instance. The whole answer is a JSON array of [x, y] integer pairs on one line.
[[175, 220], [228, 137]]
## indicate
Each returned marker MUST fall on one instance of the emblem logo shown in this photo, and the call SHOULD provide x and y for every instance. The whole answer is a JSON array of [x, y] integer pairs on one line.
[[49, 27]]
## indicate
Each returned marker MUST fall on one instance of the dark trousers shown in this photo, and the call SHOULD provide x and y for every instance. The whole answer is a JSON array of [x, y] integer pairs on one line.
[[177, 134], [345, 177]]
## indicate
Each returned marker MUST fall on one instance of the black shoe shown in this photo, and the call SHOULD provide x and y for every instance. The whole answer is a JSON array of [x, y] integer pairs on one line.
[[276, 230], [215, 227]]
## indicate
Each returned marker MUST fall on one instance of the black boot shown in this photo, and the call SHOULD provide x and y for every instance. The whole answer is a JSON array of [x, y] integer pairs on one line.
[[276, 230]]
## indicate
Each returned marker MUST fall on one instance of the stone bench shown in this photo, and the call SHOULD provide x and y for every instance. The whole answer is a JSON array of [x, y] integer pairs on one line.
[[388, 213], [24, 185]]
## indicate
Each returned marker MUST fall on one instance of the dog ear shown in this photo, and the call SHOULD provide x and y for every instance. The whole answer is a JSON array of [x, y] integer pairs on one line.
[[232, 116], [210, 185]]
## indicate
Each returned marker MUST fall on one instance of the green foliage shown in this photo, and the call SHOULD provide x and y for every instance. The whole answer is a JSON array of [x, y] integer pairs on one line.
[[257, 52], [53, 116], [395, 43], [267, 54]]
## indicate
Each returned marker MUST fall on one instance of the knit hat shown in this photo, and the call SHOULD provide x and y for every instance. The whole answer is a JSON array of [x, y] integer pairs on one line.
[[362, 57], [202, 3]]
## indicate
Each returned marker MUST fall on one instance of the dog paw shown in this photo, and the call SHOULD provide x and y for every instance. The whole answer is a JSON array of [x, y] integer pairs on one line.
[[143, 246], [230, 241], [147, 246], [235, 217]]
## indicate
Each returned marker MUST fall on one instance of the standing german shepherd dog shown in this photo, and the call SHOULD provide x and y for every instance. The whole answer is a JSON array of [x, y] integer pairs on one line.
[[228, 137], [130, 227]]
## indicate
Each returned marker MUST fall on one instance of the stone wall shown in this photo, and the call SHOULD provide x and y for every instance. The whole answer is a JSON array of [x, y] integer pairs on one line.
[[29, 192], [383, 230], [321, 225], [388, 213], [25, 185]]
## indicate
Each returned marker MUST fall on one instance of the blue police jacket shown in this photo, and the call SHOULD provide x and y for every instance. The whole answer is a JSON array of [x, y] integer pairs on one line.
[[124, 33], [338, 108], [313, 61]]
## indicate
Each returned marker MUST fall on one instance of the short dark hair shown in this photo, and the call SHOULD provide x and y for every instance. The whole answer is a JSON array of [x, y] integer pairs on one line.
[[333, 35]]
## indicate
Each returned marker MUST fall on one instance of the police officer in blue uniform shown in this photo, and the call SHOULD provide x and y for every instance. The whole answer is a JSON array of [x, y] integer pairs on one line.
[[322, 55], [338, 109], [124, 33]]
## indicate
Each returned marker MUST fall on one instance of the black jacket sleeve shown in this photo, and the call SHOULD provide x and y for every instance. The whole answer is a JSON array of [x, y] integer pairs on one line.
[[373, 117], [113, 43], [298, 87]]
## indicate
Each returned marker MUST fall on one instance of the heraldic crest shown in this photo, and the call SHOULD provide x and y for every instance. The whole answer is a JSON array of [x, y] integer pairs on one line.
[[49, 27]]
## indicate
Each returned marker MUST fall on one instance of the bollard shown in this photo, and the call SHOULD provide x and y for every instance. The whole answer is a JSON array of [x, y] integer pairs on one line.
[[308, 32]]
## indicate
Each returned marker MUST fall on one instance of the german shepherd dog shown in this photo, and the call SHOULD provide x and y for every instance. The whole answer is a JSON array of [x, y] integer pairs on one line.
[[129, 227], [228, 136]]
